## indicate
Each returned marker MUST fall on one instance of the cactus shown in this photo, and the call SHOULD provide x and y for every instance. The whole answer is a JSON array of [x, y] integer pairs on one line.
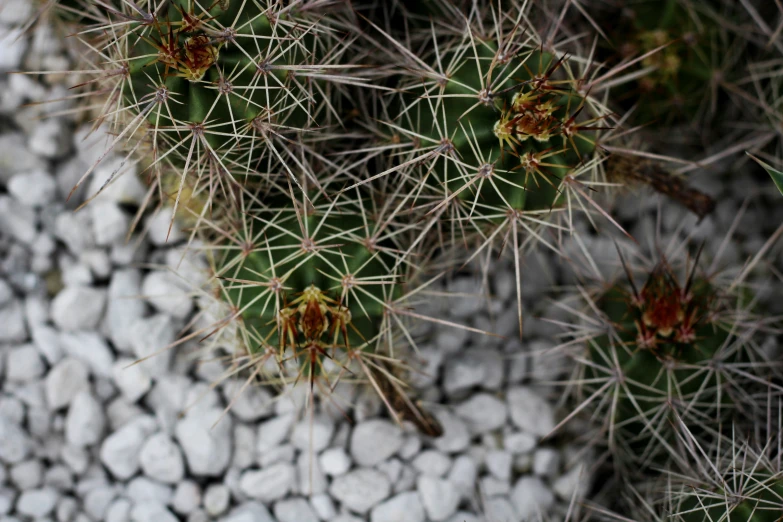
[[678, 60], [219, 92], [680, 345], [726, 479]]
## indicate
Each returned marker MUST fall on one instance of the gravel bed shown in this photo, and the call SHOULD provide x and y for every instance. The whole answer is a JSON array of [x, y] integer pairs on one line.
[[85, 435]]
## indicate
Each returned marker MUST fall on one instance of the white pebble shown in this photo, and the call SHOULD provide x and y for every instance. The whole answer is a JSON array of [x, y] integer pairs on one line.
[[216, 499], [85, 421], [463, 475], [432, 462], [269, 484], [483, 413], [23, 364], [249, 512], [187, 497], [110, 224], [151, 337], [12, 318], [439, 497], [455, 437], [530, 412], [519, 442], [313, 433], [97, 501], [131, 379], [49, 138], [405, 506], [124, 307], [573, 483], [165, 292], [499, 464], [27, 474], [273, 432], [91, 349], [119, 510], [143, 489], [374, 441], [120, 450], [36, 188], [361, 489], [531, 498], [546, 462], [335, 461], [18, 220], [47, 341], [125, 187], [151, 512], [15, 445], [78, 308], [37, 503], [205, 438], [323, 505], [161, 459], [248, 403], [294, 510]]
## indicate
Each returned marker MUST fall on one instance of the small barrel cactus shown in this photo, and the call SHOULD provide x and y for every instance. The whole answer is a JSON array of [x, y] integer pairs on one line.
[[677, 346]]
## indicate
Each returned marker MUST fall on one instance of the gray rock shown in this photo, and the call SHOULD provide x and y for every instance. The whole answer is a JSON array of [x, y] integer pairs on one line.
[[78, 308], [120, 450], [206, 440], [23, 364], [361, 489], [335, 461], [432, 462], [530, 412], [151, 337], [49, 138], [216, 499], [439, 497], [166, 293], [85, 421], [15, 445], [531, 498], [91, 349], [161, 459], [18, 220], [35, 188], [151, 512], [14, 329], [37, 503], [374, 441], [270, 484], [249, 512], [405, 506], [187, 497], [483, 413], [294, 510], [125, 307]]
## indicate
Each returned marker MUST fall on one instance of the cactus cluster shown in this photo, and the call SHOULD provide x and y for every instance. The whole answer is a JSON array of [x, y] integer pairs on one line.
[[331, 161]]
